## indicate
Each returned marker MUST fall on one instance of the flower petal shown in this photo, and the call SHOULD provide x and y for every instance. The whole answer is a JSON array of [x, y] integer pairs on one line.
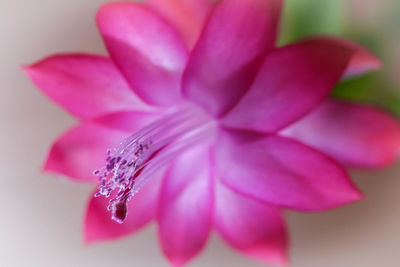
[[142, 209], [281, 171], [146, 49], [229, 52], [362, 60], [250, 226], [188, 16], [83, 149], [186, 206], [128, 122], [292, 81], [86, 85], [354, 134]]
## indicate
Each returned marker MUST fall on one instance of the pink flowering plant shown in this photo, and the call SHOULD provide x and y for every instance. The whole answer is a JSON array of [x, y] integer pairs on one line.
[[201, 122]]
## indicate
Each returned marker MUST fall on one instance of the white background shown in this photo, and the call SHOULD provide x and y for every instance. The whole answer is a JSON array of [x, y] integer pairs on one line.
[[41, 215]]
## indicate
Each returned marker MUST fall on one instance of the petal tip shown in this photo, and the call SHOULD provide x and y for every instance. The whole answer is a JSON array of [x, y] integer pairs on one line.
[[105, 10], [178, 261], [91, 232], [31, 67], [48, 164], [105, 7], [358, 195], [371, 61], [378, 64], [353, 193], [349, 197], [51, 162], [29, 70], [88, 238], [55, 163], [111, 9], [26, 68], [277, 258]]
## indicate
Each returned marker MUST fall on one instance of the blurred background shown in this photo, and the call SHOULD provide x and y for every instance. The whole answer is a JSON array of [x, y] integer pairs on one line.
[[41, 220]]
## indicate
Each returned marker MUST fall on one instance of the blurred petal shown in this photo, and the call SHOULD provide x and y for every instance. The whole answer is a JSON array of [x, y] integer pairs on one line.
[[147, 50], [229, 52], [292, 81], [250, 226], [185, 206], [142, 209], [353, 134], [86, 85], [83, 149], [281, 171], [362, 60], [188, 16]]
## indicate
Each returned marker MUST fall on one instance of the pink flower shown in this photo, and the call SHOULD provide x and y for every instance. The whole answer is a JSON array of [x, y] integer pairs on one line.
[[220, 129]]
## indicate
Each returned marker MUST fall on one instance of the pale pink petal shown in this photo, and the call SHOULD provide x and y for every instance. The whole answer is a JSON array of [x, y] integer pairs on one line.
[[142, 209], [83, 149], [188, 16], [86, 85], [186, 206], [281, 171], [252, 227], [147, 50], [229, 52], [292, 81], [353, 134]]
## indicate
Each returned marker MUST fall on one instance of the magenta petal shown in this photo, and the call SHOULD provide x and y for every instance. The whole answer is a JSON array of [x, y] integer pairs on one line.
[[129, 122], [281, 171], [353, 134], [292, 81], [142, 209], [362, 60], [86, 85], [252, 227], [186, 206], [229, 52], [83, 149], [188, 16], [146, 49]]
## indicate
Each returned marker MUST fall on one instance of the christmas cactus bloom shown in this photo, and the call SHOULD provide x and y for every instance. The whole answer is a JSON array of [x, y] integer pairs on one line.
[[209, 125]]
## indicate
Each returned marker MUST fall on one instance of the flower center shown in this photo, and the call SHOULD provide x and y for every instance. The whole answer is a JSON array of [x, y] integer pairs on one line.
[[134, 160]]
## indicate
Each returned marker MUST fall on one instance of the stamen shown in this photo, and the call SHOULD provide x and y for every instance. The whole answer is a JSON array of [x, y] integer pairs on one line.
[[131, 164]]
